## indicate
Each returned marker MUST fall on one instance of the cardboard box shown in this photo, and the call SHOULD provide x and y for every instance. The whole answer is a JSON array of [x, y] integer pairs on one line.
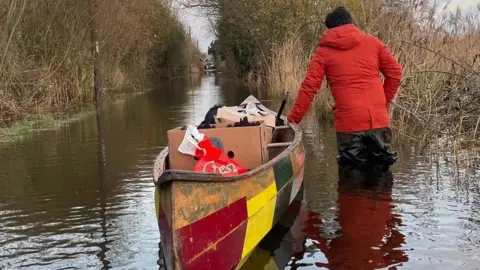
[[248, 144], [269, 134], [231, 114]]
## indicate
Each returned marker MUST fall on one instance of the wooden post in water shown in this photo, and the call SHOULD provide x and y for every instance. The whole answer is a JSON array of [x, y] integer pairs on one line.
[[95, 47]]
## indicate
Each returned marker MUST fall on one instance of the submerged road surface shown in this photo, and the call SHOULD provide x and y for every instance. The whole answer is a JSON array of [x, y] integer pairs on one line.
[[82, 197]]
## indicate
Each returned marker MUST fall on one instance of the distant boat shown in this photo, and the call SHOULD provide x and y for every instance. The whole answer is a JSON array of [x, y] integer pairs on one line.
[[208, 221], [209, 64]]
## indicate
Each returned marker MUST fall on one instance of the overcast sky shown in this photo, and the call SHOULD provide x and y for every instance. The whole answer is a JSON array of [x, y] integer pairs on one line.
[[464, 4], [201, 29], [202, 32]]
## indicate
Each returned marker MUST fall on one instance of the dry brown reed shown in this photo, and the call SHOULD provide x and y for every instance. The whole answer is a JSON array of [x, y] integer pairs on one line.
[[286, 70], [439, 97], [45, 58], [439, 52]]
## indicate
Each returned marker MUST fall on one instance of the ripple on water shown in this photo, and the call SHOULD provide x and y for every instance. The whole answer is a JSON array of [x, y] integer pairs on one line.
[[82, 197]]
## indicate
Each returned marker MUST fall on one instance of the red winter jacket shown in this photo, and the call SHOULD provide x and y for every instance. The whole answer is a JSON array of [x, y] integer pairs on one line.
[[351, 61]]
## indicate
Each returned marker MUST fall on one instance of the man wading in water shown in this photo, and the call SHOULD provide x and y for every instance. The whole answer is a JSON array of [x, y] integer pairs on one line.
[[351, 62]]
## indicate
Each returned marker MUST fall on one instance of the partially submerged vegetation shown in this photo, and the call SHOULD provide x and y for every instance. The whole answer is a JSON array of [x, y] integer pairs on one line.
[[269, 43], [46, 64], [26, 127]]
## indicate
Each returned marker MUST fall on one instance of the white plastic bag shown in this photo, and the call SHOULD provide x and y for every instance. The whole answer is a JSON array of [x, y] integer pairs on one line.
[[251, 109], [190, 141]]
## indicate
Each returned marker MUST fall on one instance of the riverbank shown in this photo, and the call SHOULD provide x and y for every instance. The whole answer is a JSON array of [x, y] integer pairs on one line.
[[29, 126], [54, 53]]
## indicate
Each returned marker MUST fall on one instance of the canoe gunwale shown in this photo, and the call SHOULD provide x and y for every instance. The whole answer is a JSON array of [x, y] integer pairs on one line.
[[168, 176]]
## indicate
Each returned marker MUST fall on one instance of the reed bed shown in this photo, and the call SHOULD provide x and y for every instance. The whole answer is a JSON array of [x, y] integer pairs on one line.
[[439, 98], [46, 64]]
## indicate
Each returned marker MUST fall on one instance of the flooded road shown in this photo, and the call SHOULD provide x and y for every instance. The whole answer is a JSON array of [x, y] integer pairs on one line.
[[82, 197]]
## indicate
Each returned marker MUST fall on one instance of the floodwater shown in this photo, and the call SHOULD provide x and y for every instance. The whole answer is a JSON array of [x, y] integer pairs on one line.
[[82, 197]]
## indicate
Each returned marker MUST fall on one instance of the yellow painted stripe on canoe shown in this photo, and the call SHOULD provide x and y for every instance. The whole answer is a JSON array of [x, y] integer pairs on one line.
[[261, 209], [261, 199], [259, 259]]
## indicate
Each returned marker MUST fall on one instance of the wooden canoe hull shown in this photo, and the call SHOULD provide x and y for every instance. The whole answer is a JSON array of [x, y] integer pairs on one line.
[[275, 250], [207, 221], [216, 225]]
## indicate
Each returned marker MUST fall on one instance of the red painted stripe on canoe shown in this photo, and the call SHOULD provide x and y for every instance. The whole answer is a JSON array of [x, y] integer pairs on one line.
[[225, 256], [226, 225]]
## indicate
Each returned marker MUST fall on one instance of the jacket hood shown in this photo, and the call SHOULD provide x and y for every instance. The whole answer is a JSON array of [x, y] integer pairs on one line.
[[344, 37]]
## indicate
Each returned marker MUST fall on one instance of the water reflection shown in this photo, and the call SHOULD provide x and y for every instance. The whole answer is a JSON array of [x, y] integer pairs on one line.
[[82, 197], [102, 161], [276, 249], [368, 237], [412, 217], [366, 234]]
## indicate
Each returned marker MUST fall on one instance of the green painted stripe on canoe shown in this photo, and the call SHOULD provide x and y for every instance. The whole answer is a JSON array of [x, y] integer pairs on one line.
[[283, 172], [283, 202]]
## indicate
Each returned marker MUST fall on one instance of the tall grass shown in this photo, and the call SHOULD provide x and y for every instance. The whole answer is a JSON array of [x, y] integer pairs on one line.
[[440, 54], [45, 54], [286, 70], [269, 43]]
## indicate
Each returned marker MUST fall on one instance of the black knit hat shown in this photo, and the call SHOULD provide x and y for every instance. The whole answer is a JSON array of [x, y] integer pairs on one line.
[[338, 17]]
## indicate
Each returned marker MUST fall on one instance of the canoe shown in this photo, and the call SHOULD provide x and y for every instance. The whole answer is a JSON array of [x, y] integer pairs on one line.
[[207, 221], [277, 248]]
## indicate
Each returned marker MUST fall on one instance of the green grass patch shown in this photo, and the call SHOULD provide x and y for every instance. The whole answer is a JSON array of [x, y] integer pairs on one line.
[[22, 129]]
